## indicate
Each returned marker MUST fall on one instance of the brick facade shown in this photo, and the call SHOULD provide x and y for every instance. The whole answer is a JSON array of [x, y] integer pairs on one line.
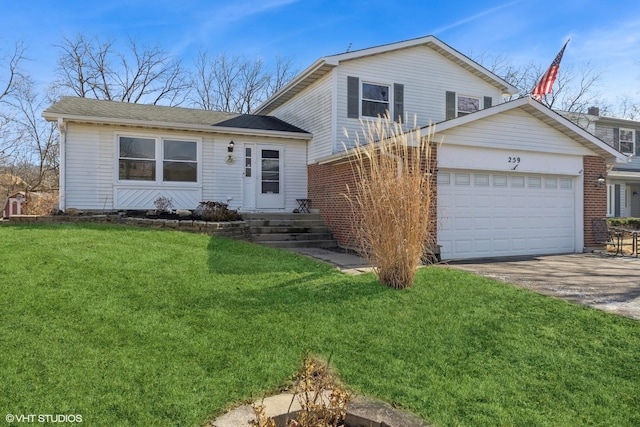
[[327, 189], [595, 197]]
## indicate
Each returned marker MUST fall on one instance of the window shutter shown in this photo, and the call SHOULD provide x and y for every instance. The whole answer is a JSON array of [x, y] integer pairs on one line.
[[616, 138], [353, 97], [488, 101], [616, 192], [637, 142], [450, 105], [398, 102]]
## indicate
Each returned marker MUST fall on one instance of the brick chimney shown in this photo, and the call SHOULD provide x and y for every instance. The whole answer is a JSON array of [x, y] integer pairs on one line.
[[593, 111]]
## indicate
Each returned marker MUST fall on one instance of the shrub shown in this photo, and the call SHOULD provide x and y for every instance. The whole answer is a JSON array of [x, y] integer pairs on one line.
[[632, 223], [322, 399], [216, 212], [392, 199], [40, 203], [163, 204]]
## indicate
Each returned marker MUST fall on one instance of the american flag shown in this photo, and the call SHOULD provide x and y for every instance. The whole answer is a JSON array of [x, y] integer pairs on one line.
[[547, 80]]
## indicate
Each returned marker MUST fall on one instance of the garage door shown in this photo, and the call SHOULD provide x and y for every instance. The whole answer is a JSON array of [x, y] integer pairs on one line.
[[492, 214]]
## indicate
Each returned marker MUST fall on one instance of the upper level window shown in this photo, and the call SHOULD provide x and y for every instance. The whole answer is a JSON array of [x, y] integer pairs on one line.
[[151, 159], [467, 105], [375, 100], [627, 141]]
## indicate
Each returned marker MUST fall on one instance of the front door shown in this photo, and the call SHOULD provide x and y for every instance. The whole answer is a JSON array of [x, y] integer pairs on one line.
[[264, 177]]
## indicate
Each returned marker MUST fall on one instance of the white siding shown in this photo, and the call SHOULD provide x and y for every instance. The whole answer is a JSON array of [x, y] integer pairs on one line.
[[89, 167], [311, 110], [426, 76], [91, 171], [605, 134], [513, 130]]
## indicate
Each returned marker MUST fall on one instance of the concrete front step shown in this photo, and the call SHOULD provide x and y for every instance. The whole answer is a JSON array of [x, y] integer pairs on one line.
[[286, 223], [291, 236], [300, 243], [280, 215], [289, 230]]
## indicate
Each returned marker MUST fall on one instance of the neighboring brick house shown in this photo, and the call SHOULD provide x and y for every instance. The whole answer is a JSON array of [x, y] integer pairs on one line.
[[623, 179], [513, 178]]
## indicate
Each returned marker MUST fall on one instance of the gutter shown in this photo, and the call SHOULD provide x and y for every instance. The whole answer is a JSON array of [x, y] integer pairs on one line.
[[178, 126]]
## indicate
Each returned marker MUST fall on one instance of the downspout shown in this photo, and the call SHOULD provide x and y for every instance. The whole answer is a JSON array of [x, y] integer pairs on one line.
[[62, 128]]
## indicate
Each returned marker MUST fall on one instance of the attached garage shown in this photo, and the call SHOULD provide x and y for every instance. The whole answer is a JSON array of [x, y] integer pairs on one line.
[[517, 179], [484, 214]]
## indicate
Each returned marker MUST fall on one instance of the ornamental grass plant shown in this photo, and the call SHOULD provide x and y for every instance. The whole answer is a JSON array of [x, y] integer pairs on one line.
[[392, 198]]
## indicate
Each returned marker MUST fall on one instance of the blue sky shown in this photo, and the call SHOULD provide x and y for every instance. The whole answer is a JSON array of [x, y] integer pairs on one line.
[[605, 33]]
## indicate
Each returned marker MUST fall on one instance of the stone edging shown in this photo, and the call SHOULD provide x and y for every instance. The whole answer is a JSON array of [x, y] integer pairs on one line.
[[232, 229], [361, 411]]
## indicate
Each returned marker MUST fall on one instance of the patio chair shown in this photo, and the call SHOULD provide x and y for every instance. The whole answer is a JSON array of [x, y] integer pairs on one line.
[[601, 233]]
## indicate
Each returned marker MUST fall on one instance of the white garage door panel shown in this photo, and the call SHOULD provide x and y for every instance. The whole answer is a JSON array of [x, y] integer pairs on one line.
[[488, 215]]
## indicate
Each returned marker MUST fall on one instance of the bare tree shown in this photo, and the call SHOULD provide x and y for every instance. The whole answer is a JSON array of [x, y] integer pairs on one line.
[[91, 68], [10, 79], [235, 83], [282, 74], [35, 158], [574, 91]]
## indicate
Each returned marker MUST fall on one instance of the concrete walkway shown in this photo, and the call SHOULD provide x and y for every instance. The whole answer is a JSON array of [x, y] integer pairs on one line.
[[599, 280], [347, 262]]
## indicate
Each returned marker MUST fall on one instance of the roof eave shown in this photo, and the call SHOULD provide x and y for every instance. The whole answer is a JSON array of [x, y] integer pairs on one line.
[[177, 126], [323, 65], [295, 86], [440, 47], [548, 116]]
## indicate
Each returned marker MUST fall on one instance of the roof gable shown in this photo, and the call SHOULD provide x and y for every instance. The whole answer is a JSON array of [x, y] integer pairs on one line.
[[326, 64]]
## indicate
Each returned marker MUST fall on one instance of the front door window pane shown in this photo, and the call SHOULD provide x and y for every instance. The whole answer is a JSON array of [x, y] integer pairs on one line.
[[270, 171]]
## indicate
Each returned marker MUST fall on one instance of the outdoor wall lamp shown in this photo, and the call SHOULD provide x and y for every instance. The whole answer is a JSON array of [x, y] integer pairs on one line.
[[230, 146], [600, 181]]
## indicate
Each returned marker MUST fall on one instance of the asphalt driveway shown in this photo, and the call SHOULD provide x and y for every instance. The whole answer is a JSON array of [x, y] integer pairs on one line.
[[602, 281]]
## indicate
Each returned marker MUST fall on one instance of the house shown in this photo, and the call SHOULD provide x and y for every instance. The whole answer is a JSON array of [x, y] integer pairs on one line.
[[623, 180], [122, 156], [513, 178]]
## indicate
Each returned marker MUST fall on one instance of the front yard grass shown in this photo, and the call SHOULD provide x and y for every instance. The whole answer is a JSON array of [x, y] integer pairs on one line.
[[133, 327]]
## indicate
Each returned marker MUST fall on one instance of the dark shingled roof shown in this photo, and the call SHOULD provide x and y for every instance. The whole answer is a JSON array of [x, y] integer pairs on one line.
[[114, 110]]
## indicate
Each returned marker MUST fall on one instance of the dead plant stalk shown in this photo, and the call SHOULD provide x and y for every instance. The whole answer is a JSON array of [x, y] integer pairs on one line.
[[392, 198]]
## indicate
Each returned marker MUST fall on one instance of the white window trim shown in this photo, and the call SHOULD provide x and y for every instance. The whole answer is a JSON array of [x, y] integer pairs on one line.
[[159, 152], [633, 140], [464, 113], [361, 96]]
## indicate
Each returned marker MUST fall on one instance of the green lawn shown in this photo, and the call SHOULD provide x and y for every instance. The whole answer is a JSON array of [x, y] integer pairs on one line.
[[134, 327]]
